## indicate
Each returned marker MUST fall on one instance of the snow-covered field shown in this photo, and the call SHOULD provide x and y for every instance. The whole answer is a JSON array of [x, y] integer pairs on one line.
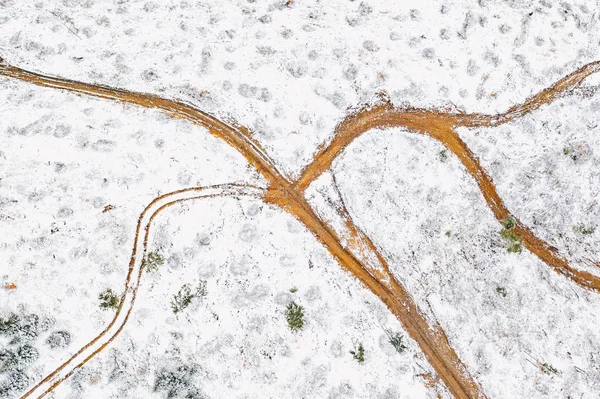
[[290, 71]]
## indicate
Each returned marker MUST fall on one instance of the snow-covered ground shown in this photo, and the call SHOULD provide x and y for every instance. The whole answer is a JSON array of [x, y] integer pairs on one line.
[[290, 70]]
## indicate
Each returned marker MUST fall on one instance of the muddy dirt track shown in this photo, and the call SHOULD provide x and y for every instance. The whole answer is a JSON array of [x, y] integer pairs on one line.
[[357, 256]]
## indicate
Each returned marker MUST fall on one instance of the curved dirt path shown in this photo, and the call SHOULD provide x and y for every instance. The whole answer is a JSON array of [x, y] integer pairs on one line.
[[441, 126], [140, 245], [376, 276]]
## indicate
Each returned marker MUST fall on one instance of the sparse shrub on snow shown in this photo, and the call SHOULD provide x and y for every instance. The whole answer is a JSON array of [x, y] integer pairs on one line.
[[9, 325], [14, 381], [186, 294], [59, 339], [177, 383], [397, 340], [108, 299], [582, 229], [514, 241], [153, 261], [359, 354], [444, 155], [19, 352], [547, 368], [294, 314], [502, 291]]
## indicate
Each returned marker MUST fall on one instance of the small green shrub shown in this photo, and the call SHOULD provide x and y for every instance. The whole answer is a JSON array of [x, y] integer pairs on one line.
[[153, 261], [448, 233], [514, 241], [547, 368], [584, 230], [443, 155], [359, 354], [502, 291], [294, 314], [515, 248], [293, 290], [508, 223], [108, 299], [186, 294], [397, 340], [567, 150]]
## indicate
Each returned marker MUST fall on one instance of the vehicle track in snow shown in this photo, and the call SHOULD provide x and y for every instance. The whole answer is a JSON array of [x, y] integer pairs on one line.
[[357, 257], [134, 276]]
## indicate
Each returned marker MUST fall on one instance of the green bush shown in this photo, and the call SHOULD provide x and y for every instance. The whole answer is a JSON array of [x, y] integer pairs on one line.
[[502, 291], [359, 354], [186, 294], [153, 261], [584, 230], [508, 223], [108, 299], [547, 368], [293, 290], [294, 314], [443, 155], [514, 241], [397, 340]]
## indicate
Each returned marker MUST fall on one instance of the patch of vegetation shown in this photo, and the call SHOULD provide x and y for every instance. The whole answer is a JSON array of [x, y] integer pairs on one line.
[[444, 155], [547, 368], [9, 325], [515, 244], [359, 354], [186, 294], [508, 223], [8, 360], [293, 290], [13, 383], [59, 339], [22, 329], [17, 353], [582, 229], [174, 382], [502, 291], [294, 314], [567, 150], [108, 299], [448, 233], [397, 340], [153, 261]]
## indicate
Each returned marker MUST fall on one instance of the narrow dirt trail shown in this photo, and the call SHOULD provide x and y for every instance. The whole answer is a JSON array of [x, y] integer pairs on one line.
[[132, 282], [430, 121], [290, 197]]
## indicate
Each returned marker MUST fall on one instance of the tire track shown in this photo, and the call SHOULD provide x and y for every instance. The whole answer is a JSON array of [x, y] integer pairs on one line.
[[123, 312]]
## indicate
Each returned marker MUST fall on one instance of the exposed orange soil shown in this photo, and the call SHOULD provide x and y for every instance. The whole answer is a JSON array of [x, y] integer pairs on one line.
[[290, 197], [441, 126]]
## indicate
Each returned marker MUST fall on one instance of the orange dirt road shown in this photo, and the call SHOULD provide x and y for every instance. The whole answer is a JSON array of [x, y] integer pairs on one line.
[[441, 126], [290, 196]]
